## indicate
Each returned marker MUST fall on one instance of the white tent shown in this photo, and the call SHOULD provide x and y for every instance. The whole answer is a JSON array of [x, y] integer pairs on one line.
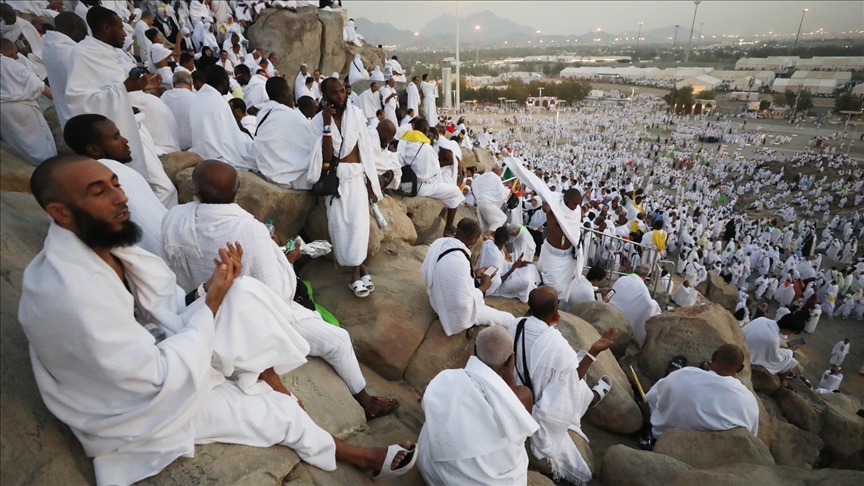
[[700, 83], [858, 90]]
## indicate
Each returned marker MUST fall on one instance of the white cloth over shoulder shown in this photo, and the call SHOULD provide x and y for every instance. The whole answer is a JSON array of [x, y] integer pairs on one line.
[[685, 296], [159, 120], [475, 429], [57, 56], [215, 134], [491, 194], [450, 285], [634, 301], [179, 101], [693, 399], [357, 71], [763, 339], [285, 159], [23, 126]]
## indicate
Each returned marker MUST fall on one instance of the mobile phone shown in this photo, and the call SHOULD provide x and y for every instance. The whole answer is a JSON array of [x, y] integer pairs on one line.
[[491, 270], [796, 342], [610, 293]]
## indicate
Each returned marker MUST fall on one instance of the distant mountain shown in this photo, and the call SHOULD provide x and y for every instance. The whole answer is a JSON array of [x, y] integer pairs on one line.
[[383, 33], [492, 28]]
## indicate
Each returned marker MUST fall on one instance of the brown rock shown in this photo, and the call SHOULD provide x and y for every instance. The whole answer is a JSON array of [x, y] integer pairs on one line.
[[604, 316], [795, 447], [426, 216], [485, 161], [763, 381], [797, 410], [623, 466], [14, 171], [370, 55], [843, 435], [334, 55], [544, 467], [752, 474], [295, 37], [437, 353], [718, 291], [708, 450], [468, 157], [176, 162]]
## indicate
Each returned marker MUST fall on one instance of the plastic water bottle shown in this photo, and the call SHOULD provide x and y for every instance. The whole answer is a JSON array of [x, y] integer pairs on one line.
[[382, 223], [271, 228]]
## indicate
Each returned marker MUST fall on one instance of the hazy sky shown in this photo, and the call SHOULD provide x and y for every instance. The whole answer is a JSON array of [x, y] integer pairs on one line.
[[574, 17]]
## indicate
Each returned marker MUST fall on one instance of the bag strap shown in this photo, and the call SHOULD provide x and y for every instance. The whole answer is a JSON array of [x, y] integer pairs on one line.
[[525, 376], [262, 121]]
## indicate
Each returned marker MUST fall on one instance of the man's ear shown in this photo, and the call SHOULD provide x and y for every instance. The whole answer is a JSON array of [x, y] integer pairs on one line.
[[59, 212], [93, 150]]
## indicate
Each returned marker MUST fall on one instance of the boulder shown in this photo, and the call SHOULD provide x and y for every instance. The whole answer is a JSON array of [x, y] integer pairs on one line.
[[387, 327], [693, 332], [799, 411], [334, 55], [623, 466], [399, 227], [604, 316], [544, 467], [14, 171], [286, 207], [795, 447], [764, 381], [537, 479], [708, 450], [752, 474], [426, 216], [769, 420], [618, 412], [370, 55], [468, 157], [176, 162], [437, 353], [843, 435], [484, 160], [715, 289]]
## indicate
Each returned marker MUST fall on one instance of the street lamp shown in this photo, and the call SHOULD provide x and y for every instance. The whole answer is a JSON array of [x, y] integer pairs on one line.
[[538, 37], [675, 39], [638, 36], [701, 24], [477, 43], [458, 83], [803, 12], [692, 24]]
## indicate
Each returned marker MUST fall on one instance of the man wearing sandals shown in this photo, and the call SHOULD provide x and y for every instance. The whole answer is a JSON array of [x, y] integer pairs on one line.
[[140, 373], [553, 370], [194, 232]]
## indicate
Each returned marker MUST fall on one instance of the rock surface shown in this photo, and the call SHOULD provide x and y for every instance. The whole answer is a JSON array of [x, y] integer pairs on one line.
[[639, 468], [715, 289], [484, 160], [795, 447], [426, 216], [176, 162], [728, 447], [604, 316], [14, 171]]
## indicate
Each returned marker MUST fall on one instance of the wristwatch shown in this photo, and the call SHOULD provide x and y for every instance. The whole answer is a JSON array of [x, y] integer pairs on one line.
[[327, 129]]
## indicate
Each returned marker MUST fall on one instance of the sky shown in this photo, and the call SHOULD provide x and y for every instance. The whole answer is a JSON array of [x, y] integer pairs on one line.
[[575, 17]]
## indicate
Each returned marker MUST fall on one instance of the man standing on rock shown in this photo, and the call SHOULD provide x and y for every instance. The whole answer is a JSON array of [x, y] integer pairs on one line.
[[429, 89], [713, 400], [548, 365], [345, 140], [390, 98], [414, 95], [141, 373], [450, 282]]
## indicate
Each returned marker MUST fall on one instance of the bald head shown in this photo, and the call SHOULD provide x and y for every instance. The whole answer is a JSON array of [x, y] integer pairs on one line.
[[543, 304], [72, 25], [46, 183], [215, 182], [386, 132], [728, 360]]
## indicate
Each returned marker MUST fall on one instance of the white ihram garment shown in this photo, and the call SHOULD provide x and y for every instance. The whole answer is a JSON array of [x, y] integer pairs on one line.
[[518, 285], [255, 92], [424, 161], [561, 398], [763, 339], [491, 194], [163, 188], [159, 120], [430, 92], [348, 215], [37, 44], [450, 285], [475, 429], [839, 352], [215, 134], [57, 56], [23, 126], [193, 234], [356, 71], [390, 106], [413, 99], [829, 383], [694, 399], [285, 159], [634, 301], [685, 296], [136, 404], [179, 101]]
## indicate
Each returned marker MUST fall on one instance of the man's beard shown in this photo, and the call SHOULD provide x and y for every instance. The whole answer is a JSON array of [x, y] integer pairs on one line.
[[98, 234]]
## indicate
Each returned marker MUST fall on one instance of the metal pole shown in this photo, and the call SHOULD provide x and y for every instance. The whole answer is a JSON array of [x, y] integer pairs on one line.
[[675, 39], [458, 85], [692, 24], [803, 12], [638, 35], [701, 24]]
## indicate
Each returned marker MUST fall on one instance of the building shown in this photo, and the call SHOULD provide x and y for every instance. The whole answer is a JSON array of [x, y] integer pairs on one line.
[[700, 83]]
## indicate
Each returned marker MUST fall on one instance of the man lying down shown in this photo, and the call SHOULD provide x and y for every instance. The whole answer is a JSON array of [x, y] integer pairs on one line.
[[139, 371]]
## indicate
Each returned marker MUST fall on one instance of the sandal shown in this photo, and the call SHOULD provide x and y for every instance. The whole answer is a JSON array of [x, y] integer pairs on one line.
[[389, 405], [602, 388], [406, 465], [367, 281], [385, 179], [359, 289]]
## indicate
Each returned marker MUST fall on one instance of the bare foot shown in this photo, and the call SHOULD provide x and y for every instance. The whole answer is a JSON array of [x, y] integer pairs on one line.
[[381, 454]]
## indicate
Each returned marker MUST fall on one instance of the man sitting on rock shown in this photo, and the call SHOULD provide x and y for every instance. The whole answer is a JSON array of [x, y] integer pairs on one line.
[[137, 374], [194, 231], [686, 295], [513, 280], [763, 339], [490, 193], [477, 420], [450, 282], [632, 298], [555, 373], [830, 382], [712, 400]]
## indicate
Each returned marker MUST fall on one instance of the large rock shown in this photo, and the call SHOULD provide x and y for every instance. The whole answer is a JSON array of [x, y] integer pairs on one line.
[[764, 381], [484, 160], [388, 326], [370, 55], [176, 162], [604, 316], [804, 414], [618, 412], [752, 474], [426, 216], [623, 466], [468, 157], [286, 207], [843, 434], [399, 227], [334, 55], [14, 171], [437, 353], [693, 332], [715, 289], [295, 37], [795, 447], [708, 450]]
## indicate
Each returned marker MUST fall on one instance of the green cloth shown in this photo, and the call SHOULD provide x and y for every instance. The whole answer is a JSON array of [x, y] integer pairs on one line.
[[508, 174], [325, 314]]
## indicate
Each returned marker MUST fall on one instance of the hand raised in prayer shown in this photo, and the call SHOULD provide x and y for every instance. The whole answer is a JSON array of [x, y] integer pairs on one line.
[[153, 81], [235, 252], [218, 285], [520, 263], [605, 341]]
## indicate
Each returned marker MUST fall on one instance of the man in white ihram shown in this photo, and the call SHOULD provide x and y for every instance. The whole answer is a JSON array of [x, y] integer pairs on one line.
[[839, 352], [57, 54], [634, 301], [390, 99], [763, 339], [449, 279], [477, 420], [555, 373], [136, 373], [491, 194], [429, 90], [192, 232]]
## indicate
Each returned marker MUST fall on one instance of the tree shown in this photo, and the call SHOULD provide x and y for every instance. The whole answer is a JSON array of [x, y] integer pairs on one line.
[[684, 99], [671, 96], [780, 99], [764, 105], [848, 102], [805, 101], [707, 95]]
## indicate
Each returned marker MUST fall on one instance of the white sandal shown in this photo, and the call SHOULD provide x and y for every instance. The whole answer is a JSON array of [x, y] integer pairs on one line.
[[602, 388], [359, 289], [367, 281], [387, 470]]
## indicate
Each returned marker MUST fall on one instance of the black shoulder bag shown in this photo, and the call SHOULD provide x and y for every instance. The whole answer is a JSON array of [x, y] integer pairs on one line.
[[524, 376], [328, 183], [408, 185]]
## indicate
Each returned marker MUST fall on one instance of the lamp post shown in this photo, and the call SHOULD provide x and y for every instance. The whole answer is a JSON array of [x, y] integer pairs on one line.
[[701, 24], [477, 43], [538, 38], [458, 94], [639, 36], [692, 24], [675, 38], [803, 12]]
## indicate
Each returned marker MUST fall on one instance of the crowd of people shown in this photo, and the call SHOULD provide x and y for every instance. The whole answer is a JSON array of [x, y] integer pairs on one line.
[[198, 311]]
